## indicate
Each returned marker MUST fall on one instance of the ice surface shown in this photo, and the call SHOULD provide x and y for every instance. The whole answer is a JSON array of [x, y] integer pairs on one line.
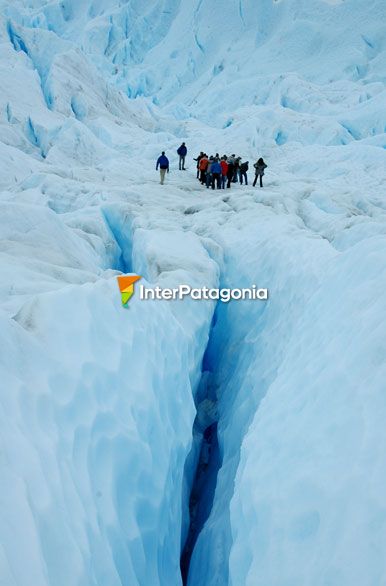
[[98, 402]]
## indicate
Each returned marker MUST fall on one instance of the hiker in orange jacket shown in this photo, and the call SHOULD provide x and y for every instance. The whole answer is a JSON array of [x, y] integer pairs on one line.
[[198, 159], [203, 167]]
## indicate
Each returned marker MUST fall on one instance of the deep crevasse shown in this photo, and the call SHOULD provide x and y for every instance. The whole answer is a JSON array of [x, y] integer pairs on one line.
[[249, 342], [284, 399]]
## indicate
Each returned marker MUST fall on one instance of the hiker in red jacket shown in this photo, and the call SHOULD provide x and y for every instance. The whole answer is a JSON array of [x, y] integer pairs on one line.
[[224, 171]]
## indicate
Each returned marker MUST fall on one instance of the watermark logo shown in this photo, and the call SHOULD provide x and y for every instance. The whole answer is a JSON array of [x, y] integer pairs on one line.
[[203, 293], [126, 287]]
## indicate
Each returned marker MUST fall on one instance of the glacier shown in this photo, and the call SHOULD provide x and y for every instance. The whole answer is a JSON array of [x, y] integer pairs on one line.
[[244, 442]]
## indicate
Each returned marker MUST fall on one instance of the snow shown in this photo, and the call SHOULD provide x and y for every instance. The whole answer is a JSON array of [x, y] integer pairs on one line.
[[103, 407]]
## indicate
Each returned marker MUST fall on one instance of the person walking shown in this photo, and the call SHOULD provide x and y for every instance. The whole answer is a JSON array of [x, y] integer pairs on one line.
[[224, 171], [243, 172], [203, 167], [163, 164], [216, 174], [198, 159], [182, 152], [259, 171]]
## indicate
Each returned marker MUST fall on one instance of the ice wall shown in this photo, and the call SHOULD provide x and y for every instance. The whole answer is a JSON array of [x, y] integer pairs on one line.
[[298, 67], [97, 413]]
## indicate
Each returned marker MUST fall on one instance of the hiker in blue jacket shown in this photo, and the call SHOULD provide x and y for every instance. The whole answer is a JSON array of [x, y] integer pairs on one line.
[[216, 173], [163, 164], [182, 152]]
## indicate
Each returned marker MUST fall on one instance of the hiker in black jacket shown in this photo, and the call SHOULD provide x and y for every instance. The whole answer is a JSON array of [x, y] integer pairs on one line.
[[243, 172], [230, 172], [236, 170], [259, 171]]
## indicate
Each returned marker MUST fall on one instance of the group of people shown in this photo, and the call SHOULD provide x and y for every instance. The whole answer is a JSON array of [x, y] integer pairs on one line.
[[215, 171]]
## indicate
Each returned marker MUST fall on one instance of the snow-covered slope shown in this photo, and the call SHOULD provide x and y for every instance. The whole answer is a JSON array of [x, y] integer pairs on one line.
[[98, 403]]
